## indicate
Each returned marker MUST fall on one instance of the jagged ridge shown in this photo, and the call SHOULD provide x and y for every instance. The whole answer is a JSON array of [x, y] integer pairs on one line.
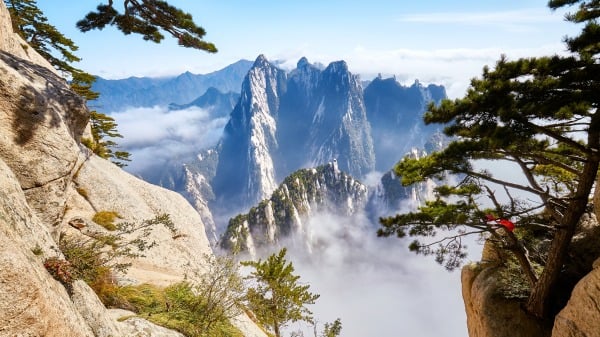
[[302, 194]]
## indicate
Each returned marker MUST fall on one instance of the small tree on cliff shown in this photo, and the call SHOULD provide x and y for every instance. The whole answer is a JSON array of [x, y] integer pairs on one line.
[[277, 297], [539, 115]]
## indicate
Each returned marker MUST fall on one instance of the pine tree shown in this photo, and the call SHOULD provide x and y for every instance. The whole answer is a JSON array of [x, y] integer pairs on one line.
[[30, 23], [278, 298], [538, 115], [332, 329], [146, 18]]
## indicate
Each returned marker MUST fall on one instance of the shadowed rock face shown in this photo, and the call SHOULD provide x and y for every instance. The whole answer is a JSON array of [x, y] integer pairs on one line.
[[581, 316], [42, 122]]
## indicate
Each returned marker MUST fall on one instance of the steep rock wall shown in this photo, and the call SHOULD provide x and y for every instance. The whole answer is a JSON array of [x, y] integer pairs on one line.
[[488, 313], [43, 173]]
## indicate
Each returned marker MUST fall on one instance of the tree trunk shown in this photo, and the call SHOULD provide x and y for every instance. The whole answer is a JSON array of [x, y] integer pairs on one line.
[[519, 253], [538, 302], [597, 199], [276, 329]]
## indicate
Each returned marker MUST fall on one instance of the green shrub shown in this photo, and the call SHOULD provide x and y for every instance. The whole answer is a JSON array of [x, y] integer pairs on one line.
[[106, 219], [144, 299], [202, 309], [176, 307]]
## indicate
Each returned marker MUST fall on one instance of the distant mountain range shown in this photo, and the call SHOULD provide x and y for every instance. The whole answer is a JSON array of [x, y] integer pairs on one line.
[[284, 121], [310, 116], [116, 95]]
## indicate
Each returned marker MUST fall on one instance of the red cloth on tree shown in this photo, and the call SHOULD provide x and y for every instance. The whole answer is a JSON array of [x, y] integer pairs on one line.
[[507, 224], [503, 222]]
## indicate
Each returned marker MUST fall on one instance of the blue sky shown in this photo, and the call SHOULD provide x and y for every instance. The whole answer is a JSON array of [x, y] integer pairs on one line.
[[446, 42]]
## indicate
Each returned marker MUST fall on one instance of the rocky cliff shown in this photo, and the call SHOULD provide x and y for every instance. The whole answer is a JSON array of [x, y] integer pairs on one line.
[[491, 314], [51, 184]]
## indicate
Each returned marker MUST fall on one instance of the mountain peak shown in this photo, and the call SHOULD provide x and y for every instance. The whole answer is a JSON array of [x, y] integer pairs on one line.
[[186, 74], [303, 62], [337, 67], [261, 60]]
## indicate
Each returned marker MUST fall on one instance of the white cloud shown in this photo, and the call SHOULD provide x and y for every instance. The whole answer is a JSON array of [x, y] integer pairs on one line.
[[522, 16], [451, 67], [375, 285], [155, 135]]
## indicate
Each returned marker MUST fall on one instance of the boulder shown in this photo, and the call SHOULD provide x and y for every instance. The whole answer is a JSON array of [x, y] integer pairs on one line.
[[133, 326], [94, 312], [581, 316]]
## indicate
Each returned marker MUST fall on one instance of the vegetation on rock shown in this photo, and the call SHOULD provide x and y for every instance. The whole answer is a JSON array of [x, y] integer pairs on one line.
[[200, 308], [106, 219]]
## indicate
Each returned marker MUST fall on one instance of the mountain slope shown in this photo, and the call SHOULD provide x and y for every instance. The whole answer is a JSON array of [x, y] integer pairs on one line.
[[396, 116]]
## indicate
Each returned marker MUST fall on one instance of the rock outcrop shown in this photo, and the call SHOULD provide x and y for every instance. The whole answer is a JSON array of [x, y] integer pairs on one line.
[[581, 316], [13, 44], [131, 325], [491, 315], [52, 186], [488, 313]]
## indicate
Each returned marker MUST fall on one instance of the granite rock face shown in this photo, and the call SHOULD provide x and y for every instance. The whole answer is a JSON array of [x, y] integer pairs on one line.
[[488, 313], [32, 303], [52, 186]]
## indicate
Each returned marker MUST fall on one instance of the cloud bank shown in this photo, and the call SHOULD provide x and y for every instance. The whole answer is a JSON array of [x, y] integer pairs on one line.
[[375, 285], [156, 135]]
